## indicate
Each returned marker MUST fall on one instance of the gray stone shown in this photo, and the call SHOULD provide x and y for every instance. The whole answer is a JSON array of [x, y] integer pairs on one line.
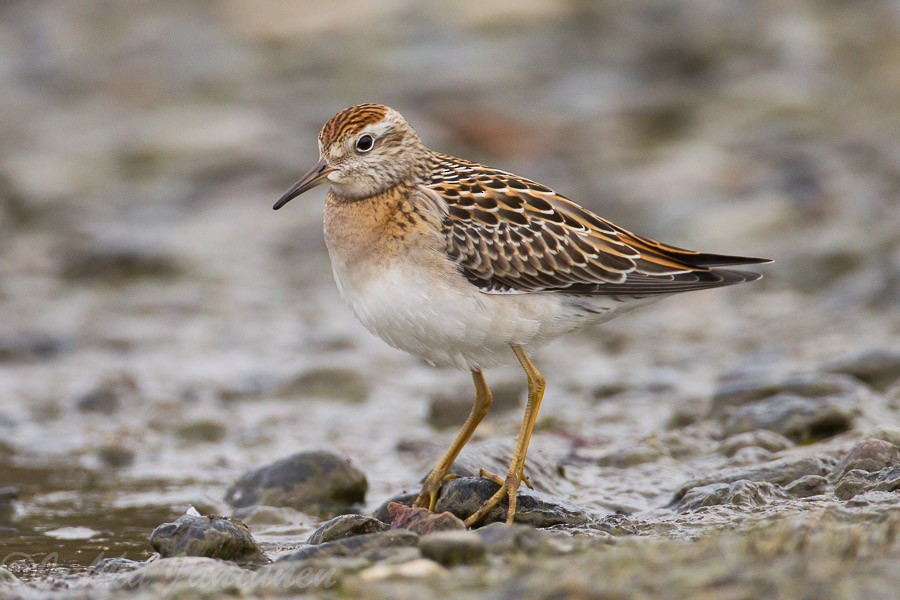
[[868, 455], [116, 565], [314, 481], [630, 456], [211, 536], [451, 548], [465, 495], [338, 383], [798, 418], [500, 538], [780, 472], [815, 385], [806, 486], [367, 546], [345, 526], [857, 481], [879, 368], [759, 438], [30, 346], [742, 493]]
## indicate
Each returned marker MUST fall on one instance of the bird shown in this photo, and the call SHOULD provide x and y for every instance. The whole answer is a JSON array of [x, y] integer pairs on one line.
[[472, 267]]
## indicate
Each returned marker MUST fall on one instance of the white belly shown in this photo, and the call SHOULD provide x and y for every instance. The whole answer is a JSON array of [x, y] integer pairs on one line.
[[447, 321]]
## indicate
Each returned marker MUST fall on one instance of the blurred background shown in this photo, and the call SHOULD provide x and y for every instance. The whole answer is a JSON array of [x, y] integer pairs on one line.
[[162, 330]]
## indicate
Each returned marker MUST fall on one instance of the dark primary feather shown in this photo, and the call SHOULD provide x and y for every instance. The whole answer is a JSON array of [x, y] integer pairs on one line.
[[511, 234]]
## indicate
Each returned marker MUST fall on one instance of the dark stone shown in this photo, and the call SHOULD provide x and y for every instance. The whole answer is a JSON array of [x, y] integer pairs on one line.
[[345, 385], [868, 455], [858, 481], [210, 536], [816, 385], [405, 498], [500, 538], [200, 432], [465, 495], [365, 546], [451, 548], [313, 482], [422, 520], [878, 368], [806, 486], [780, 472], [798, 418], [29, 346], [345, 526], [118, 261], [107, 397], [742, 493], [115, 457]]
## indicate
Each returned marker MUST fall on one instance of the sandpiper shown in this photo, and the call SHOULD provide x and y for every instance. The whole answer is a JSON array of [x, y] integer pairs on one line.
[[469, 266]]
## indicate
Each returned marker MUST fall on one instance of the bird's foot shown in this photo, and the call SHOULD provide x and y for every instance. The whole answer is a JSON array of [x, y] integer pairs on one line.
[[431, 489], [508, 487]]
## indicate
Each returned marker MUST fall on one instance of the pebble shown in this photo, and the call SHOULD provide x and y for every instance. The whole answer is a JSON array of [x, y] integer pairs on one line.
[[879, 368], [337, 383], [367, 546], [759, 438], [500, 538], [798, 418], [806, 486], [345, 526], [422, 520], [743, 493], [313, 482], [815, 385], [406, 498], [451, 548], [115, 261], [857, 481], [211, 536], [868, 455], [465, 495]]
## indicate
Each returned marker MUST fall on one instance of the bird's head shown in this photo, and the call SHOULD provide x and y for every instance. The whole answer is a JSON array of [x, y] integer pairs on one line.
[[363, 151]]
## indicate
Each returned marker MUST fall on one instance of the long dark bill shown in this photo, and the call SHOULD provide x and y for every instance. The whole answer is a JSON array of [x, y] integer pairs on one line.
[[315, 176]]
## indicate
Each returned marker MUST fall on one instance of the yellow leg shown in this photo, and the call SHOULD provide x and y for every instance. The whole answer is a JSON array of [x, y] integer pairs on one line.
[[428, 496], [515, 475]]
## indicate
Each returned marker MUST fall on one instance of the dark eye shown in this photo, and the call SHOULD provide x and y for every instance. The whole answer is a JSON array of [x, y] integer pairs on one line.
[[365, 143]]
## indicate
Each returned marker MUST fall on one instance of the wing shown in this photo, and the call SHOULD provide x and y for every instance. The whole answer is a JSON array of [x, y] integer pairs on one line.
[[513, 235]]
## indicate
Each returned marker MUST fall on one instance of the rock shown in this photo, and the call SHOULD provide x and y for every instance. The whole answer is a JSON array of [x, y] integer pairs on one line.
[[345, 385], [422, 520], [405, 498], [630, 456], [313, 482], [345, 526], [116, 564], [500, 538], [107, 397], [116, 261], [806, 486], [367, 546], [868, 455], [465, 495], [743, 493], [211, 536], [759, 438], [798, 418], [419, 568], [115, 456], [201, 432], [816, 385], [451, 548], [183, 577], [29, 346], [857, 481], [878, 368], [780, 472]]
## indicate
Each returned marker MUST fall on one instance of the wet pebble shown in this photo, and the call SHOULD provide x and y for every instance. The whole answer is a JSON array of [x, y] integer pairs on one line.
[[113, 261], [369, 546], [879, 368], [868, 455], [465, 495], [798, 418], [211, 536], [422, 520], [451, 548], [857, 481], [338, 383], [743, 493], [759, 438], [806, 486], [406, 498], [345, 526], [779, 472], [814, 385], [500, 538], [313, 481]]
